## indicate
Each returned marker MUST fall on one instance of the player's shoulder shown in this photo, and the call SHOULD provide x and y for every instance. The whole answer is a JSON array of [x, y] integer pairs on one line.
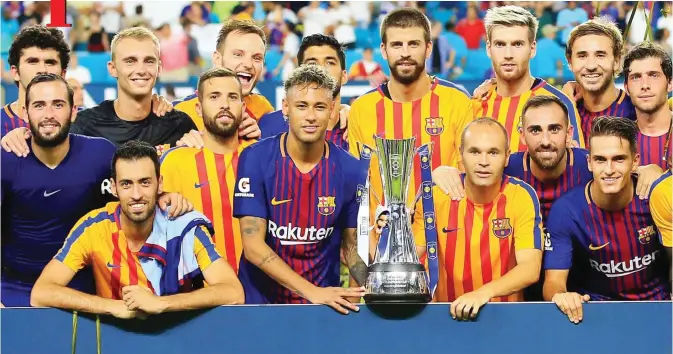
[[519, 189], [258, 104], [366, 100], [100, 218], [576, 198], [270, 123], [662, 186], [190, 99], [177, 153], [92, 142], [449, 88], [345, 158], [543, 87], [516, 159], [263, 149], [104, 110]]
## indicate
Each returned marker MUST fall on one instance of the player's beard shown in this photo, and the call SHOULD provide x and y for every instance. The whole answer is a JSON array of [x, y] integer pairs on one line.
[[53, 140], [604, 85], [516, 75], [220, 130], [140, 218], [652, 109], [547, 163], [407, 79]]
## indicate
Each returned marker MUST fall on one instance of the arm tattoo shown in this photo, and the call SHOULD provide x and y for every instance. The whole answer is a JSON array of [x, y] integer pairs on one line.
[[250, 226], [354, 262], [267, 259]]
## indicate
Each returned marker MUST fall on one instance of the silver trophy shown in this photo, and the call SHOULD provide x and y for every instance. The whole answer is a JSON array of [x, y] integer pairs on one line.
[[396, 276]]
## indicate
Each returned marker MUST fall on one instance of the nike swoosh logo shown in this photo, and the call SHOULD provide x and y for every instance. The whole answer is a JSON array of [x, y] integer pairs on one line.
[[279, 202], [51, 193], [199, 185], [596, 248], [445, 230], [112, 265]]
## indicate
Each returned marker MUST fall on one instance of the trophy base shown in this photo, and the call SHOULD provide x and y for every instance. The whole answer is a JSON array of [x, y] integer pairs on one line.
[[397, 283]]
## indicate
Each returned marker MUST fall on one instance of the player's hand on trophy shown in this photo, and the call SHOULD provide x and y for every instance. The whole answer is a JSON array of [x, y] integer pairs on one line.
[[646, 176], [193, 139], [160, 105], [467, 306], [249, 128], [447, 178], [15, 141], [573, 90], [571, 305], [481, 91], [335, 297]]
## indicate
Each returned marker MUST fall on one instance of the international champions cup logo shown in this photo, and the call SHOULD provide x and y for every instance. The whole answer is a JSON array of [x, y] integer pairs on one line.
[[395, 165]]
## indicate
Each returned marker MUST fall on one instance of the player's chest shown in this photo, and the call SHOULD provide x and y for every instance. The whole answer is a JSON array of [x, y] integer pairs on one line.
[[45, 193], [317, 201]]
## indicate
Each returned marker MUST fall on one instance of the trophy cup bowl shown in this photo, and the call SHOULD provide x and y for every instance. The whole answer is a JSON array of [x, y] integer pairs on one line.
[[396, 276]]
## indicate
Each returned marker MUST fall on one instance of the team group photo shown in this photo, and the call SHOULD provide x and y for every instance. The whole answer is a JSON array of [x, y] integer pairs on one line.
[[367, 173]]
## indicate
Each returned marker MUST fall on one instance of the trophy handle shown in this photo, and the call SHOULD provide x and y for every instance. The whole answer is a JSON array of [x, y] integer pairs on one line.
[[430, 146]]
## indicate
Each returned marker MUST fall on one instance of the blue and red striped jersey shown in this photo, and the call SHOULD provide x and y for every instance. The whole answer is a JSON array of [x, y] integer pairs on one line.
[[10, 120], [612, 255], [621, 107], [576, 173], [274, 123], [653, 149], [306, 213]]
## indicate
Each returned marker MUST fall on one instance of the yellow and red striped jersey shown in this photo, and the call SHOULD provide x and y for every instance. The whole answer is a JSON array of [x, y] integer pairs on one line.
[[477, 242], [256, 106], [661, 203], [97, 240], [207, 180], [438, 117], [508, 111]]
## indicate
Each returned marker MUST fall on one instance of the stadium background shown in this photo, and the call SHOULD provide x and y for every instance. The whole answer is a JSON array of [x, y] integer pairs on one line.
[[189, 29]]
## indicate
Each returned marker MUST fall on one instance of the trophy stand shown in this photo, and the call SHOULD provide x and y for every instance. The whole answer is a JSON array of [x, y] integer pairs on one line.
[[396, 276]]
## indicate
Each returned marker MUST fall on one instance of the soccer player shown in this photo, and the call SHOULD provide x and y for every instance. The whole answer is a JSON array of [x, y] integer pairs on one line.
[[43, 195], [648, 80], [35, 49], [241, 46], [144, 262], [510, 43], [207, 176], [325, 51], [489, 246], [296, 198], [594, 53], [603, 232], [411, 104]]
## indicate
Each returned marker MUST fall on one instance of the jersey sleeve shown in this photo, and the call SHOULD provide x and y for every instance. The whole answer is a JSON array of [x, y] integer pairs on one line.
[[250, 197], [660, 207], [77, 249], [528, 222], [170, 168], [559, 245], [204, 248], [354, 131]]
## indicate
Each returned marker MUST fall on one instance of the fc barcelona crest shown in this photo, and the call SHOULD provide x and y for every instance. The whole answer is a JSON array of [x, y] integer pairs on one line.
[[646, 234], [501, 227], [434, 125], [326, 205]]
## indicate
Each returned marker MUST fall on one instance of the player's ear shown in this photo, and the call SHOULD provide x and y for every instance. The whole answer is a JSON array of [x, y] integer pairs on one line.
[[383, 52], [73, 113], [569, 137], [636, 162], [670, 85], [112, 69], [160, 69], [285, 108], [199, 109], [113, 187], [533, 49], [508, 153], [15, 73], [216, 58], [428, 50], [160, 187], [589, 161], [344, 77]]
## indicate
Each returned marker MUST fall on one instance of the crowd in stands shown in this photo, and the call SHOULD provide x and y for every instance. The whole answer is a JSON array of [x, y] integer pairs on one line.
[[458, 31]]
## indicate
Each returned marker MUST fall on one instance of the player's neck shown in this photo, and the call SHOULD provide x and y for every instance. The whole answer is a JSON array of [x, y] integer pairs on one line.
[[481, 194], [549, 175], [220, 144], [334, 118], [305, 156], [51, 156], [132, 108], [17, 106], [412, 92], [598, 101], [136, 233], [612, 202], [514, 88], [656, 123]]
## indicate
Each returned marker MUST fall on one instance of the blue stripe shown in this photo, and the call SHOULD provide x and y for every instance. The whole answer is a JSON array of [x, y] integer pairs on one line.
[[574, 120], [450, 84], [207, 243], [537, 236], [79, 231], [165, 154], [185, 99], [658, 181]]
